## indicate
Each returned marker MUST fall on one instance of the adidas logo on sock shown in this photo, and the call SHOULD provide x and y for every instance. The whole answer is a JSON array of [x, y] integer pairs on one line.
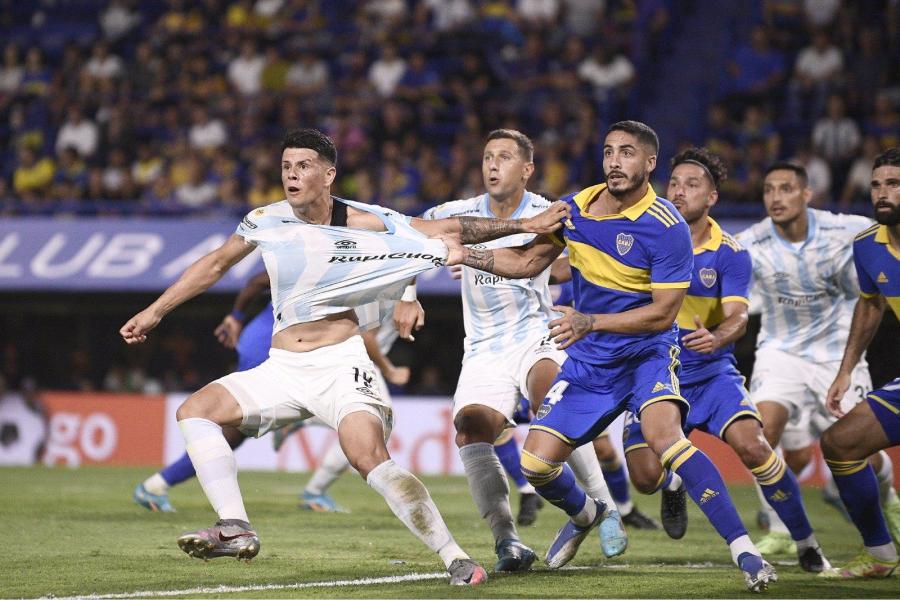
[[882, 278], [708, 494], [779, 496], [660, 386]]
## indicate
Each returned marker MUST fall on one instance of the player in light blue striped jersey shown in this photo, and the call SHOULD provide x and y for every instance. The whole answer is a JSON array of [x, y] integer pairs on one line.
[[804, 285], [508, 353], [329, 261]]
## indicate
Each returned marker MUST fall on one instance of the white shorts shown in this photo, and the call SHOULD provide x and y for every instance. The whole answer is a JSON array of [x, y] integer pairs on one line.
[[498, 381], [328, 383], [801, 387]]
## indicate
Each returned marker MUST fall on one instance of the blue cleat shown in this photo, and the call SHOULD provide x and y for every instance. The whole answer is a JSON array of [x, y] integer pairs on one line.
[[758, 574], [569, 537], [320, 503], [513, 556], [613, 538], [152, 502]]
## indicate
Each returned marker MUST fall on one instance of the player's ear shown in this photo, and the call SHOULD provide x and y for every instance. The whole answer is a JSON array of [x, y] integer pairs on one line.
[[330, 174], [651, 162], [713, 198], [527, 171], [807, 195]]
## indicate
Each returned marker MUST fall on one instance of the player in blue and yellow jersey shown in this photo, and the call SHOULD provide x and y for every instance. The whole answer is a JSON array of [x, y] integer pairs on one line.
[[712, 317], [631, 260], [874, 424]]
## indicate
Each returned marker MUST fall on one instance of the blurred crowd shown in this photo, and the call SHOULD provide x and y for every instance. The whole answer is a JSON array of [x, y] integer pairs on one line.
[[145, 106]]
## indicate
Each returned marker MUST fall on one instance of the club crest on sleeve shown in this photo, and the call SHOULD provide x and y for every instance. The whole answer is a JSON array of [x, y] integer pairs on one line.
[[708, 277], [624, 242]]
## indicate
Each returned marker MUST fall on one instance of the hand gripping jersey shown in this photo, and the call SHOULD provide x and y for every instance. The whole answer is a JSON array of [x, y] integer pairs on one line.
[[321, 270], [617, 260], [722, 272], [806, 295], [500, 312]]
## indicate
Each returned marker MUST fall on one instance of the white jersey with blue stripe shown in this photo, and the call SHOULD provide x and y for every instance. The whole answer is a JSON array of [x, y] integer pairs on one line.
[[805, 294], [321, 270], [497, 311]]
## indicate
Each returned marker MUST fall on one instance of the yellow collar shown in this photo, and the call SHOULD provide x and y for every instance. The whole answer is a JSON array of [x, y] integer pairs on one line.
[[882, 237], [715, 238], [586, 197]]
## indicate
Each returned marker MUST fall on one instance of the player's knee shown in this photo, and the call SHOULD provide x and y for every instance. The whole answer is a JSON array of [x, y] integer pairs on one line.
[[755, 453], [192, 408], [646, 482], [837, 445], [537, 470], [472, 427]]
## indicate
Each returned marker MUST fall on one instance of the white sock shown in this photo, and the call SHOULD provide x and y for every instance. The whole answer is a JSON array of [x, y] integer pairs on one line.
[[412, 504], [216, 467], [587, 514], [155, 484], [584, 463], [741, 545], [527, 489], [886, 552], [675, 483], [810, 542], [333, 464], [776, 525], [489, 488], [885, 476]]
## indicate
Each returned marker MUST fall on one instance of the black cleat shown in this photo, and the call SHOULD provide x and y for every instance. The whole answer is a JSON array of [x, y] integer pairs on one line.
[[812, 560], [513, 556], [673, 511], [529, 505], [639, 520]]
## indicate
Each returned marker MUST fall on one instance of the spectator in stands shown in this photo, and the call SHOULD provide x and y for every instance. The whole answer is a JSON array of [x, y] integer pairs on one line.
[[308, 77], [610, 73], [78, 132], [147, 166], [868, 70], [117, 181], [446, 16], [197, 191], [118, 19], [582, 18], [33, 175], [386, 72], [537, 15], [859, 179], [836, 137], [818, 174], [36, 80], [756, 69], [103, 65], [274, 72], [884, 123], [71, 175], [206, 133], [245, 70], [817, 72], [12, 72], [420, 81]]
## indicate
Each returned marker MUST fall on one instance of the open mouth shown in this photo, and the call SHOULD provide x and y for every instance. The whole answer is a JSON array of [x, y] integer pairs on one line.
[[293, 189]]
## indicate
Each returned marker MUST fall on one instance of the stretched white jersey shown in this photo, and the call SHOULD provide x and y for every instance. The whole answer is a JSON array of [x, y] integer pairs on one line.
[[805, 295], [498, 311], [320, 270]]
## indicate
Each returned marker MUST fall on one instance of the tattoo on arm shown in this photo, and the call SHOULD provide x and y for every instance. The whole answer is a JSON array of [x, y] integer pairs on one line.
[[479, 229], [483, 260], [581, 323]]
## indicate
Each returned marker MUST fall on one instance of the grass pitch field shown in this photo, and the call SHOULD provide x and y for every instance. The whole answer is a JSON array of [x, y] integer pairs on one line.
[[77, 532]]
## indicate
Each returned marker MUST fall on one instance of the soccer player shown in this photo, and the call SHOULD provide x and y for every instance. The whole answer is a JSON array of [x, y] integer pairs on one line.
[[326, 258], [508, 353], [874, 424], [631, 260], [804, 285], [712, 317]]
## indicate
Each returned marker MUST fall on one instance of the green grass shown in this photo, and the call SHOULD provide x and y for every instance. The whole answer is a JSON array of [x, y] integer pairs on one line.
[[78, 532]]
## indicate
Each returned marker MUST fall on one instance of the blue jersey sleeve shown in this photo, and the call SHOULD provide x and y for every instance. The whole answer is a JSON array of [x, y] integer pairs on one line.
[[672, 259], [736, 272], [867, 285]]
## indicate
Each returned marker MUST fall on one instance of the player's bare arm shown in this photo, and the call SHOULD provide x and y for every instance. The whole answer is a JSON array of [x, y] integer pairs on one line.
[[656, 316], [515, 263], [473, 230], [560, 270], [731, 329], [229, 330], [409, 316], [866, 318], [196, 279]]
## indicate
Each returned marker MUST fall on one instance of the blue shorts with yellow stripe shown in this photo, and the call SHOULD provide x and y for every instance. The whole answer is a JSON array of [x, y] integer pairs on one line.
[[885, 403], [585, 398], [715, 402]]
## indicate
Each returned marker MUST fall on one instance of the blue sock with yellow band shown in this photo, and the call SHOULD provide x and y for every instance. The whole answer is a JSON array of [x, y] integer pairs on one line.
[[781, 489], [855, 480], [555, 482], [617, 481], [705, 487], [508, 453]]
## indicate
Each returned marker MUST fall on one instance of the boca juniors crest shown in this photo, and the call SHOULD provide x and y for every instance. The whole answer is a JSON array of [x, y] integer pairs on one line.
[[708, 277], [624, 242]]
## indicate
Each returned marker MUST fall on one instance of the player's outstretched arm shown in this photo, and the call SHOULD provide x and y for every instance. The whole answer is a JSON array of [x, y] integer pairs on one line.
[[515, 263], [656, 316], [473, 230], [866, 317], [196, 279], [229, 330]]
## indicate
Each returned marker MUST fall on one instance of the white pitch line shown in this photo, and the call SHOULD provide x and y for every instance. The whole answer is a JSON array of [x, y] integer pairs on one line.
[[269, 587]]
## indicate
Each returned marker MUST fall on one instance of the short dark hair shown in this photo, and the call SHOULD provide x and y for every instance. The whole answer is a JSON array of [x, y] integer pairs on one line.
[[890, 158], [312, 139], [798, 170], [526, 147], [643, 132], [711, 163]]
